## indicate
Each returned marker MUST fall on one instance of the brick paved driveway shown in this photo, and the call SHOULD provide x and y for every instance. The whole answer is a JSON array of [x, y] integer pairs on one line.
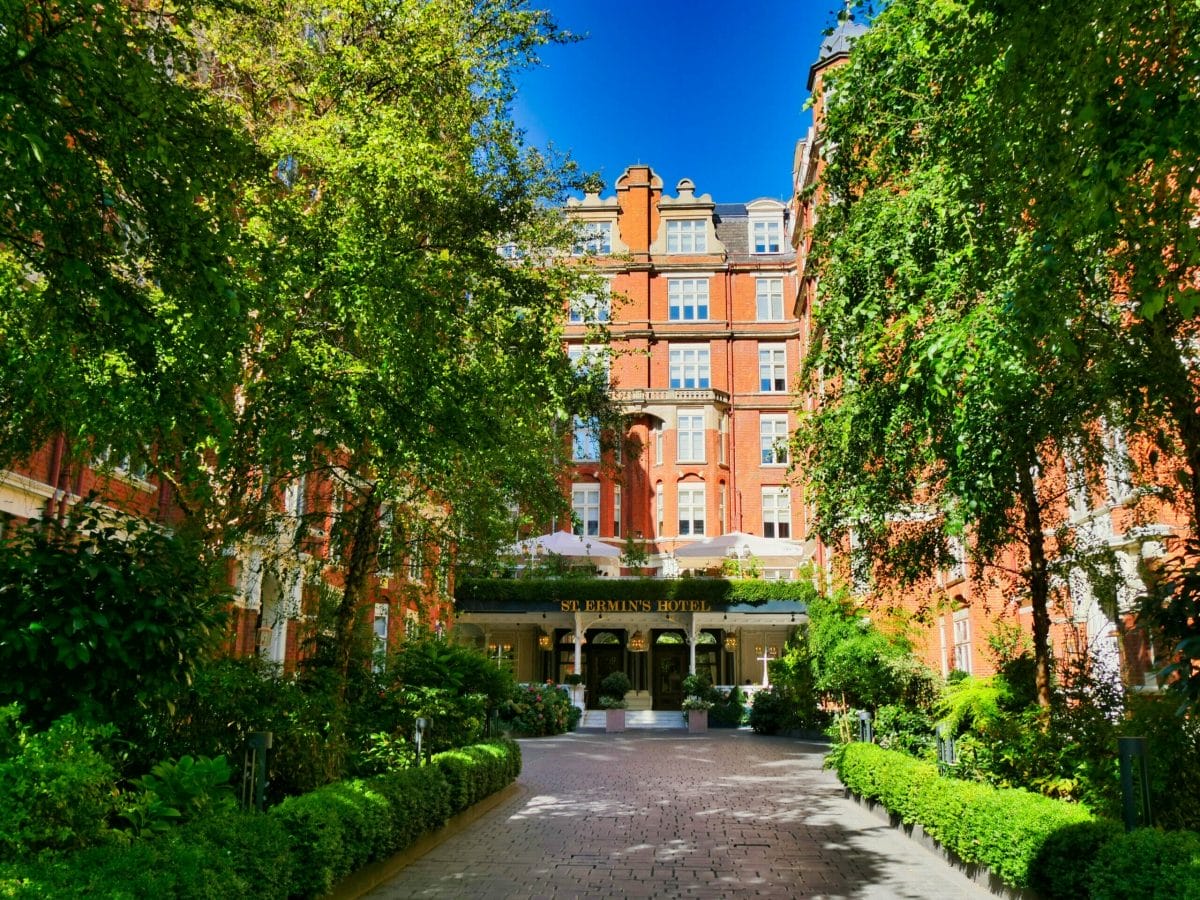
[[645, 814]]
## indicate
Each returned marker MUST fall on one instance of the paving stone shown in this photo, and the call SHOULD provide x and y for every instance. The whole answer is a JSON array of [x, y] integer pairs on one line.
[[650, 814]]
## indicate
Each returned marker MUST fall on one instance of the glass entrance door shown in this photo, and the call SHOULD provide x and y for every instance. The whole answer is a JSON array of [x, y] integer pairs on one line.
[[669, 665]]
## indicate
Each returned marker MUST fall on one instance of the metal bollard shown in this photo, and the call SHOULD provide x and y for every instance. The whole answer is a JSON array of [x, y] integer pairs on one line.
[[1135, 799], [865, 733], [254, 769], [419, 735], [947, 755]]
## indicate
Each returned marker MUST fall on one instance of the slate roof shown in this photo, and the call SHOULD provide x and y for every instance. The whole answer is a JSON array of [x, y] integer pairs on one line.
[[837, 44], [732, 224]]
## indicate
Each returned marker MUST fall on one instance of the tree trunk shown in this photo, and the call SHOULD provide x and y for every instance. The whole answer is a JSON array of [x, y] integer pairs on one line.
[[358, 568], [1039, 579]]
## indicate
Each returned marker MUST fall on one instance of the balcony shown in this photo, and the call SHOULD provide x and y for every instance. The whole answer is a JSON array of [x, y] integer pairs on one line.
[[639, 398]]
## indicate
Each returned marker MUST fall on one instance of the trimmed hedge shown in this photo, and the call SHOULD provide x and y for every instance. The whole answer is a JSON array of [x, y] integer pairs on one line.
[[1057, 849], [299, 848], [552, 590]]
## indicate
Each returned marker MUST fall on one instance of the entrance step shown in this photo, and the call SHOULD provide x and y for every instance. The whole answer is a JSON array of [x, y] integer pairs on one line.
[[639, 719], [638, 700]]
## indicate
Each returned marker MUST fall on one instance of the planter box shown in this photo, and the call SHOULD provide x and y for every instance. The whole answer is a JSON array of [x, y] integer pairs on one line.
[[697, 721], [614, 720]]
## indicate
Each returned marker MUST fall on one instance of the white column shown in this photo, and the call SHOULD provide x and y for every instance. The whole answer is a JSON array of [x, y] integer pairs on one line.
[[692, 647], [578, 645]]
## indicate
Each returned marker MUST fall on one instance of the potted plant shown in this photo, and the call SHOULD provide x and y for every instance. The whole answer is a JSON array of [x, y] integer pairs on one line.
[[613, 689], [695, 710]]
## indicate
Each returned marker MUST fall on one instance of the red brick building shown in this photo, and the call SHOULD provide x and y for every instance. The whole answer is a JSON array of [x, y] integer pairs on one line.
[[704, 351]]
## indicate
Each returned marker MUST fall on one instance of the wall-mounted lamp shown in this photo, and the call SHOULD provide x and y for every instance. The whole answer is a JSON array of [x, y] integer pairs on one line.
[[730, 643], [637, 643], [545, 642]]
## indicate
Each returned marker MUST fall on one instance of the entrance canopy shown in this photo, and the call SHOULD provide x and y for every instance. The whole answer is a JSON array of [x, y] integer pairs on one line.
[[739, 544]]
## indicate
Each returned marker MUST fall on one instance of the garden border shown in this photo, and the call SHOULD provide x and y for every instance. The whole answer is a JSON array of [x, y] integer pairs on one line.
[[374, 874]]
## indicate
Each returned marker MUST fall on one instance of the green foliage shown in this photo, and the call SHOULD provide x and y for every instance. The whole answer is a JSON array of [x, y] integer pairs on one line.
[[713, 590], [907, 730], [856, 663], [772, 712], [119, 263], [191, 787], [1003, 829], [613, 689], [104, 614], [58, 791], [1147, 864], [299, 848], [534, 710], [1171, 609]]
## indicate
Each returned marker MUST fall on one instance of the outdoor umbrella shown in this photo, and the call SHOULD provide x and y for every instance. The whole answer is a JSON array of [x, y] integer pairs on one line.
[[564, 543], [742, 545]]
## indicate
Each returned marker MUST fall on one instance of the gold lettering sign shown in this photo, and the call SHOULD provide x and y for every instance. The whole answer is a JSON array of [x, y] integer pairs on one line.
[[635, 606]]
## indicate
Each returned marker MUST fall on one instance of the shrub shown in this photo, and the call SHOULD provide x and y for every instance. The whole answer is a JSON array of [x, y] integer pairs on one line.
[[1148, 864], [1002, 828], [57, 791], [907, 730], [191, 787], [103, 614], [771, 712], [298, 848], [534, 710], [729, 711], [613, 689]]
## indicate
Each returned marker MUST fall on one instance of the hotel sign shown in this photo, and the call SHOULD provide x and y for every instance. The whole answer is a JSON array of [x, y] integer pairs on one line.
[[635, 606]]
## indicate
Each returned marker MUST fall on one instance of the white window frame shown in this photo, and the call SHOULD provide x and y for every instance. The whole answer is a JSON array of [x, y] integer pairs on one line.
[[772, 368], [962, 641], [659, 509], [689, 358], [773, 439], [616, 510], [585, 439], [1118, 474], [658, 444], [777, 512], [687, 236], [767, 234], [690, 502], [584, 356], [768, 299], [594, 237], [589, 308], [585, 503], [722, 438], [689, 436], [687, 299], [721, 497]]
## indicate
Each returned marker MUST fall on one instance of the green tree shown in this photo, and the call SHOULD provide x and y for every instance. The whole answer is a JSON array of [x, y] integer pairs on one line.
[[121, 316], [396, 352], [975, 283]]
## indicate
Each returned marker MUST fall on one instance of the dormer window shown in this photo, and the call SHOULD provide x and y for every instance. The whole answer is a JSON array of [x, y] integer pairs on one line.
[[594, 238], [687, 236], [766, 235]]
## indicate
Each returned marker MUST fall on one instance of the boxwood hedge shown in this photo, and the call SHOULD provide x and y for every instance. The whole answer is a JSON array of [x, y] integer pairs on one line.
[[1055, 848], [299, 848]]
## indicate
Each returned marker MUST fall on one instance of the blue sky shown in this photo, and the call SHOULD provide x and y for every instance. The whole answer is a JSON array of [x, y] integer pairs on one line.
[[714, 91]]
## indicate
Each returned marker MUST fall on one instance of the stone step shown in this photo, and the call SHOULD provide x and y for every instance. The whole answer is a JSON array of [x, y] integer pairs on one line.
[[639, 719]]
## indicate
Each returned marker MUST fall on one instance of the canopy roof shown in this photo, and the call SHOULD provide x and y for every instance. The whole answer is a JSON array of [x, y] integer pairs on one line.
[[742, 545], [565, 543]]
